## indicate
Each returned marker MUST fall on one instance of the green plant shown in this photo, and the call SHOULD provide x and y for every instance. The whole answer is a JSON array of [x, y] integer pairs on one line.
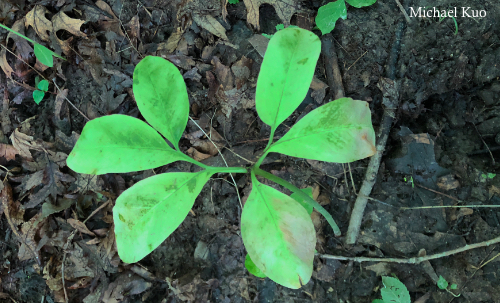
[[43, 87], [443, 284], [454, 20], [488, 176], [393, 292], [43, 54], [329, 14], [277, 230], [233, 1]]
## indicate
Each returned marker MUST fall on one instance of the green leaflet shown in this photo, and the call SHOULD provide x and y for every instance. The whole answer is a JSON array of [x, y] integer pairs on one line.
[[148, 212], [340, 131], [394, 291], [43, 85], [329, 14], [38, 96], [44, 55], [360, 3], [119, 144], [252, 268], [278, 235], [286, 74], [161, 95]]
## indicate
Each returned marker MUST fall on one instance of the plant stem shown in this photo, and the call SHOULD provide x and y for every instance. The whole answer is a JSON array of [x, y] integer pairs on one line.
[[20, 35], [215, 170], [303, 195]]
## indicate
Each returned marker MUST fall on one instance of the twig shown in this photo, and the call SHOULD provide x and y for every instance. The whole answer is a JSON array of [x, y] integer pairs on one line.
[[54, 81], [404, 12], [391, 101], [332, 67], [415, 260]]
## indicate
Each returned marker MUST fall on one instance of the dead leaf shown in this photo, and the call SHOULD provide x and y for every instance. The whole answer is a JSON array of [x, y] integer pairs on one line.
[[127, 283], [380, 269], [210, 24], [8, 152], [36, 18], [242, 70], [12, 210], [62, 21], [224, 74], [29, 244], [80, 226], [85, 183], [134, 33], [52, 180], [7, 69], [106, 23], [260, 43], [193, 153], [284, 8], [319, 90], [171, 44], [447, 182], [23, 48], [21, 143]]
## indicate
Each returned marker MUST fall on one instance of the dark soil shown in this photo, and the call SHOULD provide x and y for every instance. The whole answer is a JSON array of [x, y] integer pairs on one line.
[[446, 138]]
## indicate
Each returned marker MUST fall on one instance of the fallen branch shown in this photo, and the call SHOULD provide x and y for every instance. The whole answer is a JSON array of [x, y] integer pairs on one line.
[[391, 103], [415, 260]]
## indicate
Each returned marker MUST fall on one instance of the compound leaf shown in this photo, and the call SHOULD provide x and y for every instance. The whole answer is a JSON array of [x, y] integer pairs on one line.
[[38, 96], [148, 212], [360, 3], [43, 85], [329, 14], [394, 291], [252, 268], [44, 55], [119, 144], [340, 131], [161, 95], [286, 74], [278, 235]]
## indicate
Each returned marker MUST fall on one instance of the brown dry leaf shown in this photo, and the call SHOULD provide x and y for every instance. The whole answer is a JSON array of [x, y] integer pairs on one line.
[[171, 44], [29, 244], [80, 226], [22, 143], [127, 283], [77, 264], [7, 69], [8, 152], [210, 24], [284, 8], [52, 180], [319, 90], [41, 25], [106, 23], [193, 153], [22, 46], [135, 28], [13, 211], [242, 70], [62, 21], [224, 74], [447, 182]]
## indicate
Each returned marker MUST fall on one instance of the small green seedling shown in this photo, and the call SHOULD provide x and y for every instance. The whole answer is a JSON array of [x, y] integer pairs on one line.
[[488, 176], [277, 229], [44, 55], [329, 14], [410, 180], [393, 292], [278, 28], [443, 284], [43, 87], [233, 1], [454, 20]]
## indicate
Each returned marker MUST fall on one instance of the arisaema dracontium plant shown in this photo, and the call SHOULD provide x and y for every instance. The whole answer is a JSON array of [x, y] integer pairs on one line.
[[276, 228]]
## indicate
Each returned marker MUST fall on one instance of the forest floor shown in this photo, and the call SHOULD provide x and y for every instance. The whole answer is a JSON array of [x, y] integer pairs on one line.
[[443, 150]]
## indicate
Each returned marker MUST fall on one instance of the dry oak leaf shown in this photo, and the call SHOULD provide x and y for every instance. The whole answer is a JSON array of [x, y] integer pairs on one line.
[[284, 8], [210, 24], [41, 25], [62, 21]]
